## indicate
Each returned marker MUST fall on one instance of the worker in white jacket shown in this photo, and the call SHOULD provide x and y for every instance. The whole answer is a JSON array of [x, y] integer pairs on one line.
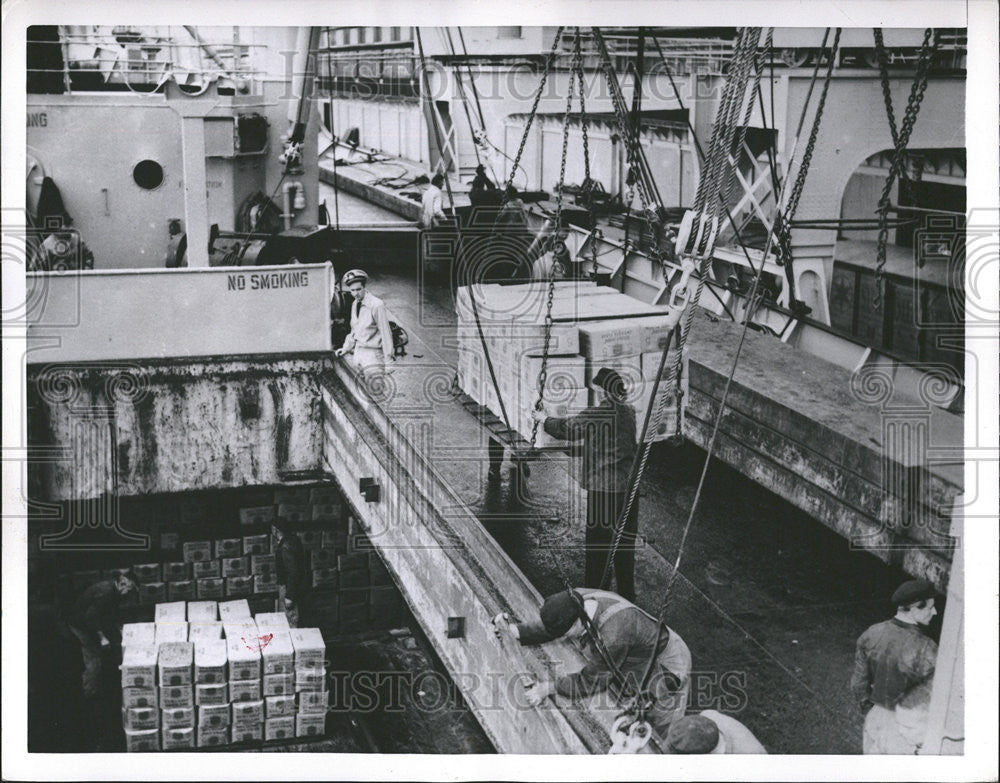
[[370, 340], [432, 204]]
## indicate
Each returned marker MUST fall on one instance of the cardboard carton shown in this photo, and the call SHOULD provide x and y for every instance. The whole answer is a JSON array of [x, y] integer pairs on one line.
[[309, 725], [210, 661], [141, 718], [279, 728], [178, 718], [244, 690], [279, 706], [278, 684], [138, 633], [138, 666], [214, 694], [174, 739], [209, 737], [141, 697], [176, 696], [142, 740], [173, 612], [231, 611], [213, 716]]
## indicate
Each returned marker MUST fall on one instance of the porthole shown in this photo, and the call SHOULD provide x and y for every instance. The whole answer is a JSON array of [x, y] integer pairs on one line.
[[148, 174]]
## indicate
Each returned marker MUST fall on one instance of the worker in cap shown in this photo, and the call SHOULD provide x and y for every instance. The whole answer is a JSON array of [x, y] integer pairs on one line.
[[481, 184], [370, 339], [607, 434], [893, 658], [710, 732], [627, 638]]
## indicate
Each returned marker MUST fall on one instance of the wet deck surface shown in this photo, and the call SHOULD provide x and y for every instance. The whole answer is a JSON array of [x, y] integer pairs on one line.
[[769, 601]]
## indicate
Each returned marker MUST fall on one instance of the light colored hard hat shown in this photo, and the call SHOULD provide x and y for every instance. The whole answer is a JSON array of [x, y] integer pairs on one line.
[[355, 276]]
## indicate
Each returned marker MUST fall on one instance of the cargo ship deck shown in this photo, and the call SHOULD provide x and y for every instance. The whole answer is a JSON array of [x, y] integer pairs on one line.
[[768, 599]]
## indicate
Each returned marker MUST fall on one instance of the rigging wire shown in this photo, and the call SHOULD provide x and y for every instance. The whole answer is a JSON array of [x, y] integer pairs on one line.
[[716, 424]]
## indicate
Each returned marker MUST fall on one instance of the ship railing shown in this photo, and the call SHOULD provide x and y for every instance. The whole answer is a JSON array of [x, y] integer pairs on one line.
[[139, 59]]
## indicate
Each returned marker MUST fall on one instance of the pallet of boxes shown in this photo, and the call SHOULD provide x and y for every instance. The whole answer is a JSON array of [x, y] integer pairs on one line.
[[593, 327], [237, 566], [205, 674]]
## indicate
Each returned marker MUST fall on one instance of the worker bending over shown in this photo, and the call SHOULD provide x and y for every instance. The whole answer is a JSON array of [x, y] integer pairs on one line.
[[629, 636], [94, 620], [892, 659], [711, 732], [607, 434], [370, 340]]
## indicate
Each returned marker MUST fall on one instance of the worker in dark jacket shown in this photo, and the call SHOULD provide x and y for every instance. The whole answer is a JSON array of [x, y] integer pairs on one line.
[[606, 434], [892, 659], [629, 636], [294, 586], [481, 185], [93, 619]]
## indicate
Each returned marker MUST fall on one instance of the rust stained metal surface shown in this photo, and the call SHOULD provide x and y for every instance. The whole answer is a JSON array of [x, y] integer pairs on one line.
[[148, 427]]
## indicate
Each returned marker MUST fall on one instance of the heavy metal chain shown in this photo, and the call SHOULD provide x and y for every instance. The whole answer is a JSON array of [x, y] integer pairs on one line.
[[578, 67], [733, 98], [710, 185], [917, 90], [531, 114], [630, 138], [882, 58], [800, 179], [588, 190], [553, 243], [505, 196], [783, 243]]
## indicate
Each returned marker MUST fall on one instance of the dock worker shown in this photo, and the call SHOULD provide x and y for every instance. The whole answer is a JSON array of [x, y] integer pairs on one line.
[[892, 659], [481, 184], [370, 340], [94, 620], [711, 732], [629, 636], [606, 432], [431, 209], [294, 587]]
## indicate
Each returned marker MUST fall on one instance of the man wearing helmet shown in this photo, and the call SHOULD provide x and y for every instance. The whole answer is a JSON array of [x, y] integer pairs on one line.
[[370, 340]]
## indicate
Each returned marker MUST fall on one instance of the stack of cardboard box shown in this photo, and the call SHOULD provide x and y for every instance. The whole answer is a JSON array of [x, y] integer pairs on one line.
[[278, 688], [262, 681], [243, 651], [593, 327], [310, 681], [236, 567], [140, 696]]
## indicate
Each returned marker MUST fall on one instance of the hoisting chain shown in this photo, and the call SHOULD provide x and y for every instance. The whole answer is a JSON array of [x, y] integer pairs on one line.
[[710, 186], [505, 196], [554, 241], [733, 98], [783, 228], [588, 189], [632, 152], [917, 90], [882, 58]]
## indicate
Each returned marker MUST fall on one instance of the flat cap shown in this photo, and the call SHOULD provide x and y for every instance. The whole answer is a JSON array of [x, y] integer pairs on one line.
[[559, 612], [611, 382], [692, 734], [912, 591]]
